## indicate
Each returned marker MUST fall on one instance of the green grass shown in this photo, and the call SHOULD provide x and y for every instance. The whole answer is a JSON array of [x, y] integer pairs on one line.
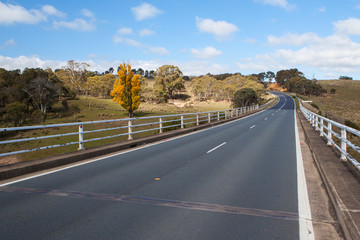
[[92, 109]]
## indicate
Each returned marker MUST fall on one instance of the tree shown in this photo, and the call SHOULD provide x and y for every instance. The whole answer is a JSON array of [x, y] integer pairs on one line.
[[270, 76], [345, 78], [168, 81], [15, 113], [76, 75], [283, 75], [140, 71], [126, 90], [100, 86], [245, 97], [261, 76], [43, 92], [201, 87]]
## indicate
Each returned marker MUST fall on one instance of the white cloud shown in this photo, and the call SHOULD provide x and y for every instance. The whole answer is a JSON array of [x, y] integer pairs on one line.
[[78, 24], [146, 32], [278, 3], [251, 40], [322, 9], [159, 50], [349, 26], [50, 10], [127, 41], [29, 62], [206, 53], [221, 29], [11, 14], [193, 68], [87, 13], [145, 11], [10, 42], [125, 31], [333, 54], [357, 6], [293, 39]]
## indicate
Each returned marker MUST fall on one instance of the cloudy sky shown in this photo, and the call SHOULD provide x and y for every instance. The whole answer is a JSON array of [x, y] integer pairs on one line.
[[319, 37]]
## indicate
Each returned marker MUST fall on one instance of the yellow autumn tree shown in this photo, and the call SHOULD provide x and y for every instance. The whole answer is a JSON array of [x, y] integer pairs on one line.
[[126, 90]]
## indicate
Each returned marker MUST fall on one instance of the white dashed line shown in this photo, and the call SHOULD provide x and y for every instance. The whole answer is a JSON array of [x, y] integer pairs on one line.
[[216, 147], [252, 126]]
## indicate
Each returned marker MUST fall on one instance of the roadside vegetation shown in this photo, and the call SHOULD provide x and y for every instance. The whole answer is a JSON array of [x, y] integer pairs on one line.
[[75, 94], [341, 103]]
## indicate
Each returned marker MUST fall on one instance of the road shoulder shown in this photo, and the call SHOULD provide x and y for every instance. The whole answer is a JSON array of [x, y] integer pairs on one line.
[[333, 189]]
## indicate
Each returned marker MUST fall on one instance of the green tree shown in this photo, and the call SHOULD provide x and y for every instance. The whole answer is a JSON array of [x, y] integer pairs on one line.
[[201, 87], [168, 82], [15, 113], [283, 75], [100, 85], [261, 76], [245, 97], [126, 90], [270, 76]]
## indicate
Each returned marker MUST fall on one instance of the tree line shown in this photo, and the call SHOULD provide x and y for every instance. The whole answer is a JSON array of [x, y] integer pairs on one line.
[[295, 81], [31, 94]]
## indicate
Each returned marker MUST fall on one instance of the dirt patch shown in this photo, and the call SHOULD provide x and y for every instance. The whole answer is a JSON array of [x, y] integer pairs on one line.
[[9, 160]]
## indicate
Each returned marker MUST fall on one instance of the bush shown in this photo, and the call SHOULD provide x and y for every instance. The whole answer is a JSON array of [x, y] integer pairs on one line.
[[333, 91], [315, 106], [352, 124], [37, 116], [345, 78], [15, 113], [65, 104], [245, 97]]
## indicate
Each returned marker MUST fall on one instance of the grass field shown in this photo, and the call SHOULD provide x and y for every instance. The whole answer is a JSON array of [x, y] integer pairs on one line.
[[341, 106]]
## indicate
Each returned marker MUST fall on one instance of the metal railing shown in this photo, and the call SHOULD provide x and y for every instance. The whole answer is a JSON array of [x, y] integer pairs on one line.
[[326, 128], [125, 127]]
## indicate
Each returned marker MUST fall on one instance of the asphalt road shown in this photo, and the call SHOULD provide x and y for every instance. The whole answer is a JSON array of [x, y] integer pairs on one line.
[[234, 181]]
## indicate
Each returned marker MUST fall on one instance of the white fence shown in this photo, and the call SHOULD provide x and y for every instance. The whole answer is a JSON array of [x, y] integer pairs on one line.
[[321, 124], [125, 127]]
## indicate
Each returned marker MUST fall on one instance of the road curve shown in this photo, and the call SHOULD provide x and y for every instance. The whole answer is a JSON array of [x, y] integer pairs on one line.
[[234, 181]]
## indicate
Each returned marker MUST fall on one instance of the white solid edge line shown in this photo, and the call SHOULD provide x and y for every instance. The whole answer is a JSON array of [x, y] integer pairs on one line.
[[216, 147], [125, 151], [306, 230]]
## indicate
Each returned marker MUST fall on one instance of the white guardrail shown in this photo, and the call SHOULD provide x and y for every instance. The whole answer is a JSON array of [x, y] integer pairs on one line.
[[123, 127], [321, 124]]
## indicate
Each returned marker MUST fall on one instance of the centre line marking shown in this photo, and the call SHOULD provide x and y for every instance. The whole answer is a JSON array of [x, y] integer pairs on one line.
[[216, 147], [266, 119], [252, 126]]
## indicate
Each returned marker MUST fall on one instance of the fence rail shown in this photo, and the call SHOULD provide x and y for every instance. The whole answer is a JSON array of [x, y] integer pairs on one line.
[[326, 126], [129, 127]]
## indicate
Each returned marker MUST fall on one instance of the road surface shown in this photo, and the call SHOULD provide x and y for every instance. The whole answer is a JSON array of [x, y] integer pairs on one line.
[[234, 181]]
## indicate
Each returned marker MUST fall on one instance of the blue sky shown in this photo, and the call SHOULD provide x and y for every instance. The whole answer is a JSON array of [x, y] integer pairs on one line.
[[319, 37]]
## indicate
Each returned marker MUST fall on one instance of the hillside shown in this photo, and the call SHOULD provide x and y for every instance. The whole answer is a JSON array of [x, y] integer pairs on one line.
[[342, 105]]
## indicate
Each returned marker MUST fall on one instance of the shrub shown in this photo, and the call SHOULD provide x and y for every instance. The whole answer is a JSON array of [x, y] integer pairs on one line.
[[65, 104], [15, 113], [245, 97], [352, 124], [333, 91], [315, 106]]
